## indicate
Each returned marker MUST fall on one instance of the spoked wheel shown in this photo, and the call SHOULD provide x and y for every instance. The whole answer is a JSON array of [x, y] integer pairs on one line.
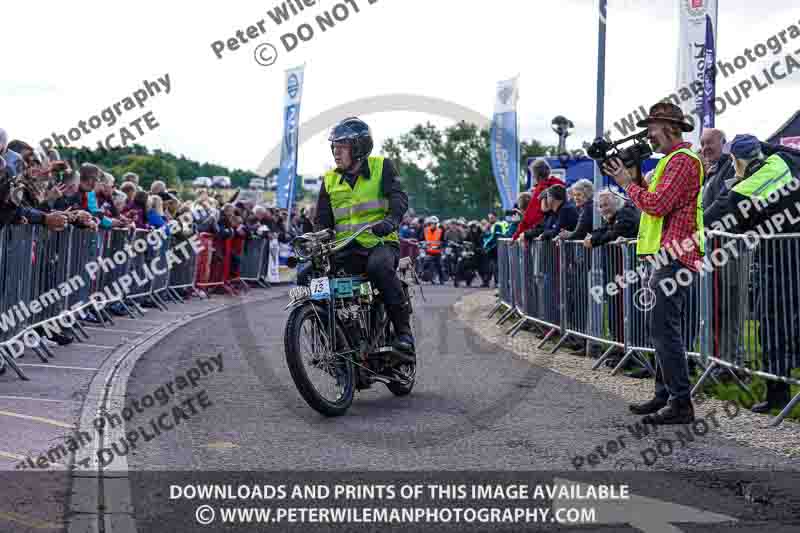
[[325, 381]]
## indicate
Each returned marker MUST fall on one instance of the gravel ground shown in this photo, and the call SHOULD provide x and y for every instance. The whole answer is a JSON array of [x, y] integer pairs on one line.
[[746, 428]]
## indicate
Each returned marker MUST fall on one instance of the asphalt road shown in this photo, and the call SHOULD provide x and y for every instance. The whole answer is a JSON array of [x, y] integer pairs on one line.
[[475, 407]]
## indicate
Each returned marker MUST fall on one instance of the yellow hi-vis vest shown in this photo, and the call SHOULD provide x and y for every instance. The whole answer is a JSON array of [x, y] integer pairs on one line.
[[360, 206], [774, 175], [650, 226]]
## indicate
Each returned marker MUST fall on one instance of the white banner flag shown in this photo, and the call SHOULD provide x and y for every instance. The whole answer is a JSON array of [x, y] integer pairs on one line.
[[274, 261], [695, 15]]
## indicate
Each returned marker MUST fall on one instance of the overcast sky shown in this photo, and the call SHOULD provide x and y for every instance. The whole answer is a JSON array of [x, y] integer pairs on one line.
[[69, 60]]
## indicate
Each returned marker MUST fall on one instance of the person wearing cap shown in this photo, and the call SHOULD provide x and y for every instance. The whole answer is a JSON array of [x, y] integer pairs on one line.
[[764, 198], [670, 231]]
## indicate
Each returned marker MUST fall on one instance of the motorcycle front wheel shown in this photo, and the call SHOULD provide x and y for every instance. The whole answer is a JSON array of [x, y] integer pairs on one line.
[[325, 381]]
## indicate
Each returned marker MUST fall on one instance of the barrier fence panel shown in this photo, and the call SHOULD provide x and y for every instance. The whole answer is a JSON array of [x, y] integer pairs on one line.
[[753, 298], [503, 281], [182, 275], [742, 309], [575, 264], [253, 258]]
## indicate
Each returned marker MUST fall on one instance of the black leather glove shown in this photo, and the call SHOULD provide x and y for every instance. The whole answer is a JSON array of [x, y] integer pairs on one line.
[[383, 228]]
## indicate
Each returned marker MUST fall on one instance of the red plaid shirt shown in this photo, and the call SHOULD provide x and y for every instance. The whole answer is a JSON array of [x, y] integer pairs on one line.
[[675, 199]]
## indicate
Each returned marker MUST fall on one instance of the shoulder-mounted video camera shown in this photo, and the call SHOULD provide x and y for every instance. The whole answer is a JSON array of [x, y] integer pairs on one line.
[[602, 150]]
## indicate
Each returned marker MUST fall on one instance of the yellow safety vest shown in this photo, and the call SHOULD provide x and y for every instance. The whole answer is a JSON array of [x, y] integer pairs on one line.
[[650, 227], [360, 206]]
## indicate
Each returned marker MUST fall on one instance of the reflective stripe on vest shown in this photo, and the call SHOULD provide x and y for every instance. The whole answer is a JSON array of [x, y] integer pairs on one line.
[[774, 175], [359, 206], [650, 227], [434, 238]]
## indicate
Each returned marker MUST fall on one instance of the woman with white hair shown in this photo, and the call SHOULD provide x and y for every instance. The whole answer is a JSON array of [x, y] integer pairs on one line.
[[582, 192]]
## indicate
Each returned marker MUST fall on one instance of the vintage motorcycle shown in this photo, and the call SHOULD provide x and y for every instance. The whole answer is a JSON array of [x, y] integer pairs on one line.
[[463, 263], [338, 337]]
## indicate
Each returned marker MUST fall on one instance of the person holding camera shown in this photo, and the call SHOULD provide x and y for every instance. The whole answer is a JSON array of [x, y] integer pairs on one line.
[[563, 214], [670, 227]]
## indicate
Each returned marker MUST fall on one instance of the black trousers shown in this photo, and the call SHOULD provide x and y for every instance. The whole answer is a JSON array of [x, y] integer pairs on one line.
[[378, 263]]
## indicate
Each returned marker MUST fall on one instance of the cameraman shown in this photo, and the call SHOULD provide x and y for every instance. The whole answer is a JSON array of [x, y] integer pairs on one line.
[[672, 216]]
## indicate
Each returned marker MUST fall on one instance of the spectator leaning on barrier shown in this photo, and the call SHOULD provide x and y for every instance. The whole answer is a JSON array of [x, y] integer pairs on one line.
[[620, 220], [155, 213], [136, 210], [563, 214], [542, 181], [766, 198], [13, 160], [523, 200], [672, 216], [582, 192]]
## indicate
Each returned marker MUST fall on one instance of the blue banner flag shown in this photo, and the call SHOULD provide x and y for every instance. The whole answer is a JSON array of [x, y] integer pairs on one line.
[[709, 76], [287, 174], [504, 143]]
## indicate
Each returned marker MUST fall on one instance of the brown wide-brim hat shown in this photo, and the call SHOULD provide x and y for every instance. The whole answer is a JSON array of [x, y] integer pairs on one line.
[[667, 112]]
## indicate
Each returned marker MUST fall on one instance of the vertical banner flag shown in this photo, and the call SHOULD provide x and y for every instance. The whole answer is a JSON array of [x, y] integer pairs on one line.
[[696, 84], [287, 175], [505, 142]]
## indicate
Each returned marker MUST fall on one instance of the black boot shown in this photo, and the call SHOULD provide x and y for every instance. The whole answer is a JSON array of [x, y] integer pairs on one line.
[[400, 315], [649, 407], [778, 396], [676, 412]]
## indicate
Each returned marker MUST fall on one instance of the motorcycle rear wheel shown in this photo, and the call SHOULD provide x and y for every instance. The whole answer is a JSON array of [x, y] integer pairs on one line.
[[308, 353]]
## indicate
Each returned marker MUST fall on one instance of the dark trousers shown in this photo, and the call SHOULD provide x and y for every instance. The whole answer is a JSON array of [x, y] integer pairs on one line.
[[436, 261], [380, 265], [671, 302]]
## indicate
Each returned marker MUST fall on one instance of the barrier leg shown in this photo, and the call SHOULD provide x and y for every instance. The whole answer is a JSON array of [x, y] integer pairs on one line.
[[39, 353], [82, 331], [8, 357], [495, 310], [508, 314], [603, 357], [642, 360], [46, 349], [176, 297], [516, 327], [786, 410], [134, 305], [622, 363], [263, 283], [561, 341], [546, 338], [159, 302], [106, 316], [703, 377]]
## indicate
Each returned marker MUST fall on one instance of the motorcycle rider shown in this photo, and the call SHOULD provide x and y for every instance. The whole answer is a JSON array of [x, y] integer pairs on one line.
[[434, 236], [363, 190]]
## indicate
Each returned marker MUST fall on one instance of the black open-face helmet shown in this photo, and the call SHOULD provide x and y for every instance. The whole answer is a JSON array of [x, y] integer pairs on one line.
[[355, 132]]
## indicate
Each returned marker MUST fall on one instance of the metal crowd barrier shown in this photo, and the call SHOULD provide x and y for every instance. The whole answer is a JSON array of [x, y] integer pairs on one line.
[[45, 285], [743, 312], [254, 256], [753, 302]]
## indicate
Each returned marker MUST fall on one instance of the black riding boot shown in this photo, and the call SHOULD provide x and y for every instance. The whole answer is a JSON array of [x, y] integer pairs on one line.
[[400, 315]]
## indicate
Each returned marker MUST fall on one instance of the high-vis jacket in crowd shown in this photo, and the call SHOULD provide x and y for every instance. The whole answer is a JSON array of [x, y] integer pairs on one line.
[[433, 235], [360, 206], [650, 227]]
